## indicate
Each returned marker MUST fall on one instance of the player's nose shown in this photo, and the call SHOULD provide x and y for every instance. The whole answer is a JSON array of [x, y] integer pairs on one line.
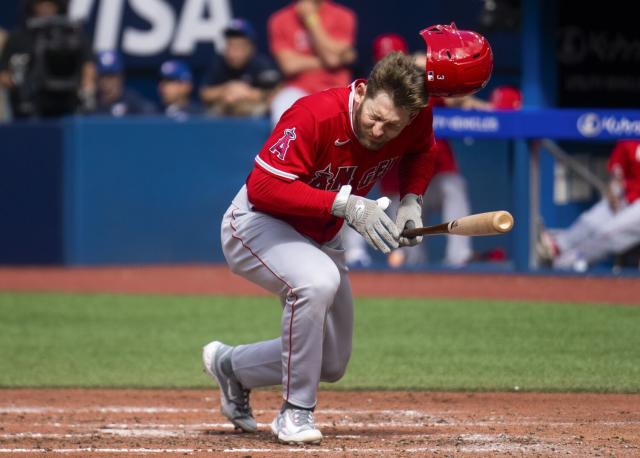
[[378, 130]]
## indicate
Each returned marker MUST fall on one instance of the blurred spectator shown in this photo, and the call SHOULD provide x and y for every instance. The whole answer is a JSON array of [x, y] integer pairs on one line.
[[388, 43], [313, 43], [506, 98], [240, 82], [175, 88], [113, 98], [46, 64], [612, 226], [4, 107]]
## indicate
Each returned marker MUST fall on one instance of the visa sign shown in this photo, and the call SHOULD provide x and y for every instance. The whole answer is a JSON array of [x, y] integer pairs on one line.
[[165, 29]]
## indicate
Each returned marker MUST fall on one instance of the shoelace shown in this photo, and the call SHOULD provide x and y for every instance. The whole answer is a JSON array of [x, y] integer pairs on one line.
[[244, 405], [303, 417]]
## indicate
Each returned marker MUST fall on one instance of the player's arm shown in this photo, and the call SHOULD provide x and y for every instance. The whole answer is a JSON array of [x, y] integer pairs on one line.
[[276, 196], [274, 185], [417, 167]]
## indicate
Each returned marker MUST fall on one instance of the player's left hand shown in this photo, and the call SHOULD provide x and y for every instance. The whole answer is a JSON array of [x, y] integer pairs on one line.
[[409, 216]]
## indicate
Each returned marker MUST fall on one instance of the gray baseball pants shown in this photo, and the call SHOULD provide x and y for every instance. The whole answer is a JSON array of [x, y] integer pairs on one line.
[[312, 283]]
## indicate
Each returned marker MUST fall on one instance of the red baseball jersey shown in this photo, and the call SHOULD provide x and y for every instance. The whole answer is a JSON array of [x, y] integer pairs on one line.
[[626, 157], [314, 143]]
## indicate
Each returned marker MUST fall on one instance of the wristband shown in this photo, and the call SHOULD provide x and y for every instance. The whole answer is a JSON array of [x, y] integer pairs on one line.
[[339, 207]]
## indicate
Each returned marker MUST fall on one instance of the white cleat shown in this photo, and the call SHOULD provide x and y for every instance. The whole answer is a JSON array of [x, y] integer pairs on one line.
[[234, 398], [296, 427]]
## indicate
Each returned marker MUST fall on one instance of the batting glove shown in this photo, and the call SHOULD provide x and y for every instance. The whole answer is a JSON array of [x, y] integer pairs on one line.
[[368, 218], [409, 216]]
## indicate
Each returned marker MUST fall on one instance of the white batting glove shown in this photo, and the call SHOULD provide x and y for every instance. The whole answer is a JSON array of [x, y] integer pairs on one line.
[[368, 218], [409, 216]]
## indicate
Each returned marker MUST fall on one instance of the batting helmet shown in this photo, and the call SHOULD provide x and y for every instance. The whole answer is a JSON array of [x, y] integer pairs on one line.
[[387, 43], [459, 62]]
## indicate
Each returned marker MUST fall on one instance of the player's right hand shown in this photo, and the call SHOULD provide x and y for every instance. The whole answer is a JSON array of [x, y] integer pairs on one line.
[[368, 218]]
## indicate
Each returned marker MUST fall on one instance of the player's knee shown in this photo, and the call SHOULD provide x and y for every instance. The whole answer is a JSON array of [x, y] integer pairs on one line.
[[324, 286], [332, 371]]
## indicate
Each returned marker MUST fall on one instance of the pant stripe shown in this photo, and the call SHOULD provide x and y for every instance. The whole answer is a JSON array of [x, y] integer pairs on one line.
[[290, 293]]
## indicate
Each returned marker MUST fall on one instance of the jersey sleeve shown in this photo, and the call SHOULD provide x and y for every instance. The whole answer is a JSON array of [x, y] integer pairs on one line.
[[417, 166], [270, 195], [288, 153]]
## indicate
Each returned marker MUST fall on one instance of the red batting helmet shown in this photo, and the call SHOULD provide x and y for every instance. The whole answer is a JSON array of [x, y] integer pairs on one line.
[[387, 43], [459, 62]]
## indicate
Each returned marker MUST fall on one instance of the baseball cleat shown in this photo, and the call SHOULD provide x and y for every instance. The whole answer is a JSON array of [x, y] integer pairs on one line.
[[234, 398], [296, 426]]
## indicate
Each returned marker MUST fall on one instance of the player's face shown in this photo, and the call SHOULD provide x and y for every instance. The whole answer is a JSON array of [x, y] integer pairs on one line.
[[378, 120]]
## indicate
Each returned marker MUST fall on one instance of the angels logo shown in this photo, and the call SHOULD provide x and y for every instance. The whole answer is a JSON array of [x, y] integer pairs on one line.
[[280, 147]]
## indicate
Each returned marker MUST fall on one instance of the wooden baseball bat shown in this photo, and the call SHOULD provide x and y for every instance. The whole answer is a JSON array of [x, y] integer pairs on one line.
[[490, 223]]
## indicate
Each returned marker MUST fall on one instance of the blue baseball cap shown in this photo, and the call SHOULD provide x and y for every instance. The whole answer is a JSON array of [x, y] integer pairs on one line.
[[109, 62], [240, 28], [175, 70]]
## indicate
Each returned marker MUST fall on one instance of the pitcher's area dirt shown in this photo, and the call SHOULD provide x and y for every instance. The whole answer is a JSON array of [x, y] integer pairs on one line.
[[187, 422]]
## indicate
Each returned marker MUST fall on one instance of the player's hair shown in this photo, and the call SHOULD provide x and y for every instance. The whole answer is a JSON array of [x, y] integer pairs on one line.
[[398, 76]]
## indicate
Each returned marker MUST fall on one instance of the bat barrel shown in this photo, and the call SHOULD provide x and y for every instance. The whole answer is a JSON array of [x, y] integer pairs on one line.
[[490, 223]]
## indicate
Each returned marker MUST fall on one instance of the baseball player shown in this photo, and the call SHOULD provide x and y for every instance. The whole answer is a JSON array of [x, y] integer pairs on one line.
[[313, 173], [611, 226]]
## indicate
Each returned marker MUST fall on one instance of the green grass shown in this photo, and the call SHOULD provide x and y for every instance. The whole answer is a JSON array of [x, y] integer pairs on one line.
[[154, 341]]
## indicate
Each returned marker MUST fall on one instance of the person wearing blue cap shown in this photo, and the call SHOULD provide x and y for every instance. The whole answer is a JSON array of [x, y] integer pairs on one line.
[[175, 87], [114, 98], [239, 81]]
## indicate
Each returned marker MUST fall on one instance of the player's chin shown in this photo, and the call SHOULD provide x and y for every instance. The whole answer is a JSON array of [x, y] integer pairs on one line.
[[370, 144]]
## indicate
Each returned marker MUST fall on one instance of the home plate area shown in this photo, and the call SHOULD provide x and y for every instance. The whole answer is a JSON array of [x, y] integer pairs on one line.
[[187, 422]]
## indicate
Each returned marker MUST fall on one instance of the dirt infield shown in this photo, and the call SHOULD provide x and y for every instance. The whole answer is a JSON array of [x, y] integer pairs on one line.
[[187, 422], [218, 280]]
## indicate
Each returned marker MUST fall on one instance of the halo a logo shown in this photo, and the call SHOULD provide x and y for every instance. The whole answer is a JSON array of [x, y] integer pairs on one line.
[[589, 124]]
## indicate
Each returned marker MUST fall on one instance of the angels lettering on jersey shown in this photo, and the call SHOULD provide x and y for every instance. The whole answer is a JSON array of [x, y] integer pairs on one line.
[[332, 180]]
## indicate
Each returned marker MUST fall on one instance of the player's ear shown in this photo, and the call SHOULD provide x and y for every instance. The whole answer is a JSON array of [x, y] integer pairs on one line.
[[360, 92]]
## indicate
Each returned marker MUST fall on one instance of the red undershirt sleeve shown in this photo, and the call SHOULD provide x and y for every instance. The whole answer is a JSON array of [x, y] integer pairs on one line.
[[272, 195], [416, 168], [416, 171]]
